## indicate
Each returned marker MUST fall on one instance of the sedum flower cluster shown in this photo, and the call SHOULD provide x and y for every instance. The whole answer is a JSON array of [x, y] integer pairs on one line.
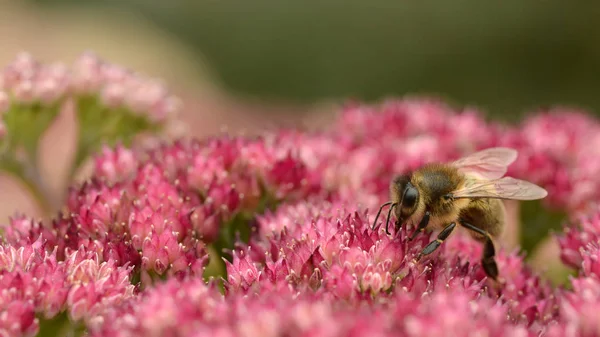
[[111, 105], [272, 236]]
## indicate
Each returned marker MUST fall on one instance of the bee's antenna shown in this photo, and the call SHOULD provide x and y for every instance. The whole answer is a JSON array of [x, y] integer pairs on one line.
[[387, 221], [378, 213]]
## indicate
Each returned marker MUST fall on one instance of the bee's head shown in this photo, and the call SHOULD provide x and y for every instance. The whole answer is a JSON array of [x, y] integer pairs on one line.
[[407, 197]]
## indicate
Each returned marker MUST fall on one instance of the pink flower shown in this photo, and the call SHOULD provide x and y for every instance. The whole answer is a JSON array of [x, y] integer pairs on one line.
[[163, 251], [29, 273], [94, 286], [579, 310], [243, 272], [205, 222], [577, 237], [313, 265], [169, 309], [318, 252], [120, 88], [189, 307], [27, 80], [591, 260], [558, 149], [444, 313], [357, 163], [17, 318], [115, 165], [87, 76], [528, 297], [81, 285]]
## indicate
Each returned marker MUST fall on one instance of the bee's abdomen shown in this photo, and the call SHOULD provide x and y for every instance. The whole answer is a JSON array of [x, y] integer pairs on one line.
[[486, 214]]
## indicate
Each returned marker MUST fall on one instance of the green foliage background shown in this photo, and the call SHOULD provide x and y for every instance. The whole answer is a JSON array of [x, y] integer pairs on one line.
[[504, 56]]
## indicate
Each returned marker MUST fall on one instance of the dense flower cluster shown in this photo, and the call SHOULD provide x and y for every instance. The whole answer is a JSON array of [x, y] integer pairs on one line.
[[104, 94], [28, 81], [158, 211], [122, 88], [359, 155], [580, 249], [335, 253], [34, 282], [558, 149], [369, 145], [111, 104], [192, 308], [579, 243], [290, 212]]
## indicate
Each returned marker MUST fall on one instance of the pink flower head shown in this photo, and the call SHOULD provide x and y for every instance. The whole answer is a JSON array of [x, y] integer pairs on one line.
[[81, 285], [358, 163], [243, 272], [163, 251], [334, 251], [579, 309], [591, 260], [115, 165], [121, 88], [577, 238], [528, 297], [169, 309], [87, 76], [140, 201], [17, 318], [443, 313], [94, 285], [22, 230], [205, 222], [189, 307], [150, 95], [27, 80], [558, 150], [236, 169], [31, 274]]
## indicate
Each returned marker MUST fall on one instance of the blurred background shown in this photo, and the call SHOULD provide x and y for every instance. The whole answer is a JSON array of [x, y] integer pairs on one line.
[[294, 58], [253, 64]]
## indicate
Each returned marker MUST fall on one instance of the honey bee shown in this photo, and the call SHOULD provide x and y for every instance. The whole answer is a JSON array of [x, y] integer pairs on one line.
[[467, 192]]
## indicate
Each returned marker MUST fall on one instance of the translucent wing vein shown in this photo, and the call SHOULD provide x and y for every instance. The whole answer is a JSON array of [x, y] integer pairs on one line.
[[487, 164], [503, 188]]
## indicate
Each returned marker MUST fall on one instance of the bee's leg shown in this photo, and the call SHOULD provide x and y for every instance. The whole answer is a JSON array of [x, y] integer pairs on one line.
[[424, 222], [387, 221], [489, 252], [433, 245]]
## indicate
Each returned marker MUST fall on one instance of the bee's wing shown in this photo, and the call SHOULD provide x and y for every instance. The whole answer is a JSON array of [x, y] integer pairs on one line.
[[503, 188], [488, 164]]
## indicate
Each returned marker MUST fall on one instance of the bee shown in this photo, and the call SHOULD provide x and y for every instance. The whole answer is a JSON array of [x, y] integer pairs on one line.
[[467, 192]]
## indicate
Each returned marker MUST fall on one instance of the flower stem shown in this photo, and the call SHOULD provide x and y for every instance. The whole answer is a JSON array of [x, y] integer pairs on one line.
[[81, 154]]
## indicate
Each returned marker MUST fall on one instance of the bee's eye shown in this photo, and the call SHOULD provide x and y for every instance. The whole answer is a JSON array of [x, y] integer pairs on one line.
[[447, 197], [410, 197]]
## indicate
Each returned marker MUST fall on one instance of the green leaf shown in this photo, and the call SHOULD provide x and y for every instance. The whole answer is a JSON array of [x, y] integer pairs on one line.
[[60, 325], [101, 125], [27, 123]]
